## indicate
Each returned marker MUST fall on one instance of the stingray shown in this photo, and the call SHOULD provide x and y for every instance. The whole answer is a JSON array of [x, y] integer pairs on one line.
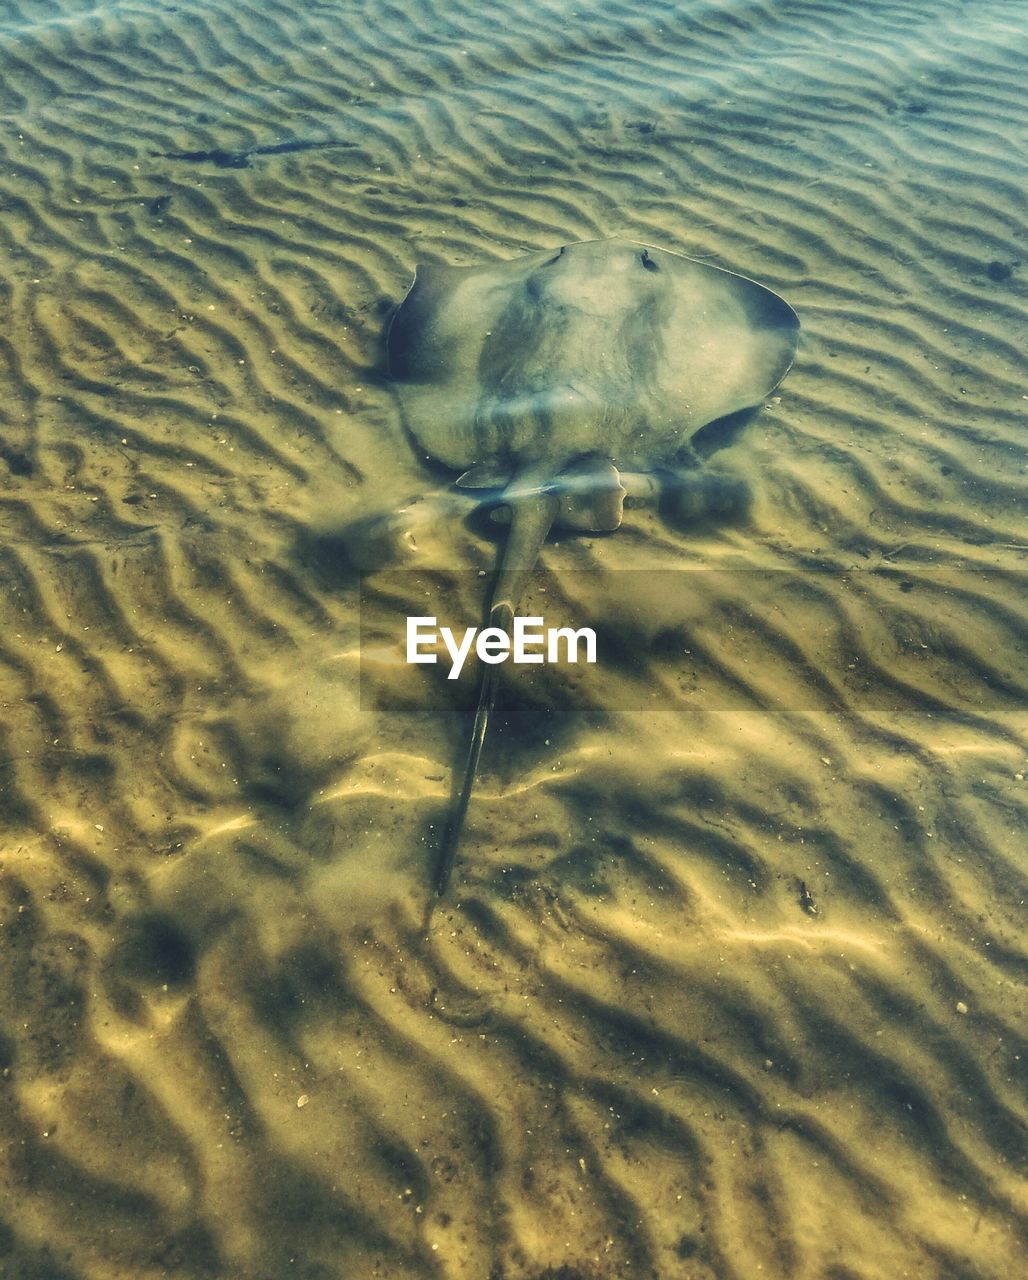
[[558, 382]]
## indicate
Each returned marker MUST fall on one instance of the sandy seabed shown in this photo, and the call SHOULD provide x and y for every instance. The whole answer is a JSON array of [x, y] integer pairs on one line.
[[730, 981]]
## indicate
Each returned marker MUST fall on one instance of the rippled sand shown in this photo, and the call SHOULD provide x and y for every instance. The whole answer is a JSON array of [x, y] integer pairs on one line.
[[731, 979]]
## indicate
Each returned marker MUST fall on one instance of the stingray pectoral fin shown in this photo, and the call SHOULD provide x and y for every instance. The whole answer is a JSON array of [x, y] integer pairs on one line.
[[389, 538], [484, 475], [605, 510], [380, 541], [591, 499], [592, 496], [531, 520], [640, 487]]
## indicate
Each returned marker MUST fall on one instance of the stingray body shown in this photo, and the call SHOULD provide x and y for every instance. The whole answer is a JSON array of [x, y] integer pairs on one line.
[[545, 378]]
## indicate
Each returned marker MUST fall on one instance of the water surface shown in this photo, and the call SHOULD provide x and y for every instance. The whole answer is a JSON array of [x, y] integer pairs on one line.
[[731, 979]]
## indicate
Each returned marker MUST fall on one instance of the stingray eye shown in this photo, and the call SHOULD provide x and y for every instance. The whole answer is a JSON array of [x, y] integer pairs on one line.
[[556, 257], [647, 261]]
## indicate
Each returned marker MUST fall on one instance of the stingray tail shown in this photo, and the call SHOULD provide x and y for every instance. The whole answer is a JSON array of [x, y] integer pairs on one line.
[[531, 518]]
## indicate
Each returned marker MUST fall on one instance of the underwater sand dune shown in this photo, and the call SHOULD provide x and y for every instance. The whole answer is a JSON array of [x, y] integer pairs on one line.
[[730, 980]]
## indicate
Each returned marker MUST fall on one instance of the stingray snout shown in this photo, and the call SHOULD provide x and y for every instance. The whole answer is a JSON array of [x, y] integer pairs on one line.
[[598, 278]]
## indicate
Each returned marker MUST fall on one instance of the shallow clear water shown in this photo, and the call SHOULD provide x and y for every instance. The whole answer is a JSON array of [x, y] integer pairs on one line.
[[730, 977]]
